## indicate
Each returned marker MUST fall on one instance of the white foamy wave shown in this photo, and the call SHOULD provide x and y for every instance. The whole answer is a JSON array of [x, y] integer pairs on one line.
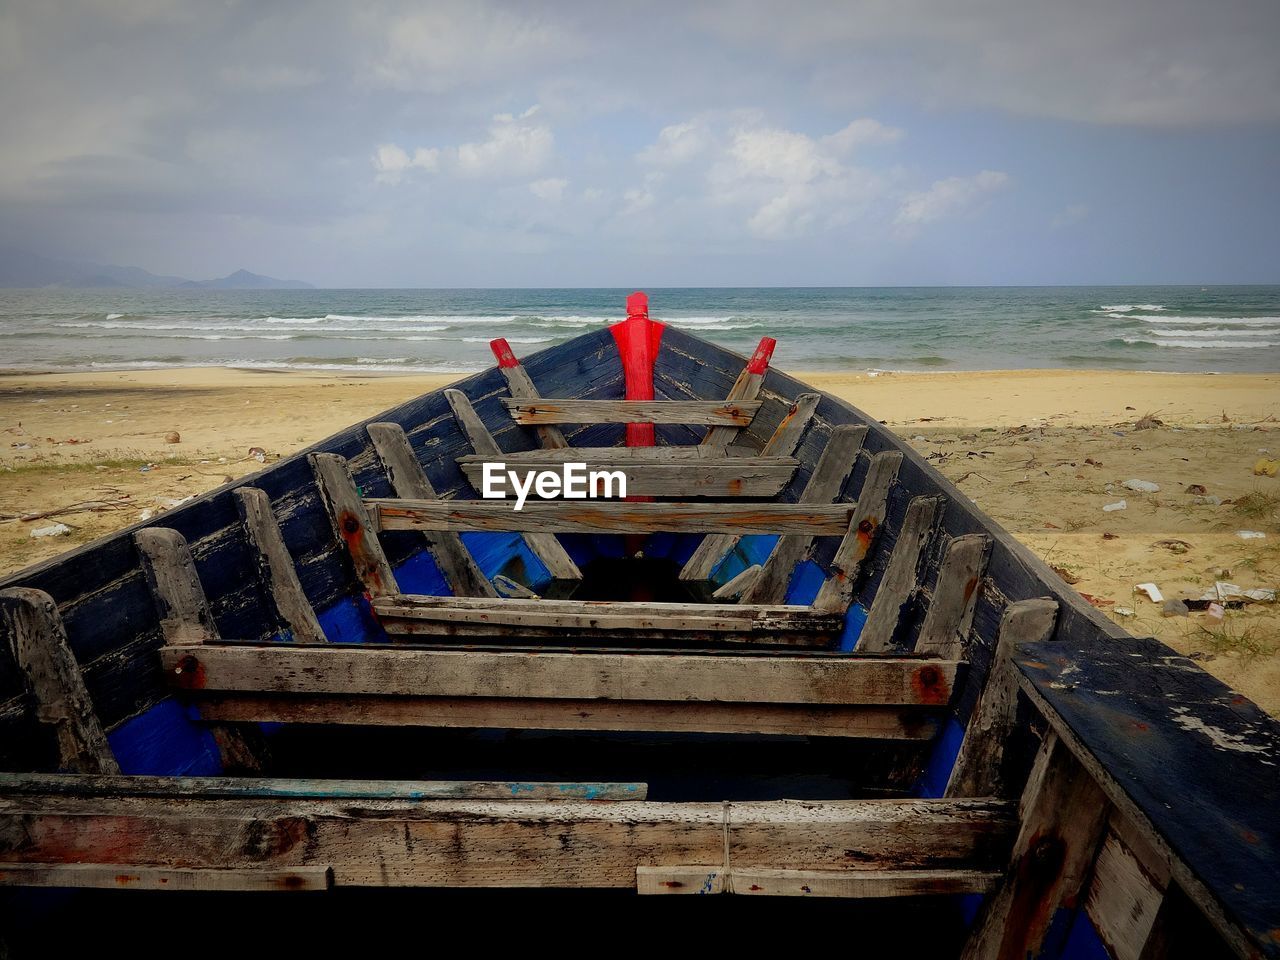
[[508, 339], [367, 360], [1216, 332], [114, 316], [1206, 344], [1129, 307], [294, 319], [1202, 321], [445, 318]]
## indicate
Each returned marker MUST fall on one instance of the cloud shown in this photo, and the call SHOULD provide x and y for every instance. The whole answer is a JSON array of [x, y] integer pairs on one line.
[[456, 44], [391, 162], [949, 196], [551, 189], [1070, 215], [1143, 62], [515, 147], [676, 144]]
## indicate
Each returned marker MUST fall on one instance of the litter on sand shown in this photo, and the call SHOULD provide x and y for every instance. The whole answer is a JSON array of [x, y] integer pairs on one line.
[[1141, 486], [1247, 534], [1112, 507], [52, 530], [1229, 591], [1152, 591]]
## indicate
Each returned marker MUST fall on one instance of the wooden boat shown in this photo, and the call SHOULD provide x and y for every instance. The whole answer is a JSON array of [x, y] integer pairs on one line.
[[796, 664]]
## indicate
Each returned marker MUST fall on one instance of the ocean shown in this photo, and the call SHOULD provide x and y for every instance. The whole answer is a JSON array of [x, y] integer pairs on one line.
[[1168, 328]]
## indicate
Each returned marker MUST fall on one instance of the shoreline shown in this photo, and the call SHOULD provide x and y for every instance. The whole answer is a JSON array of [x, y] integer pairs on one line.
[[1040, 452]]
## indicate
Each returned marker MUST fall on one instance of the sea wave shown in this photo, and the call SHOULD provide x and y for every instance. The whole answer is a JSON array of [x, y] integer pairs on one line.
[[114, 316], [1205, 344], [1214, 332], [1129, 307], [1201, 321]]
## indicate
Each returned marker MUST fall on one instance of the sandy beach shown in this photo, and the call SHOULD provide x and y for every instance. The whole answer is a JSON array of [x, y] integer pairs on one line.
[[1040, 451]]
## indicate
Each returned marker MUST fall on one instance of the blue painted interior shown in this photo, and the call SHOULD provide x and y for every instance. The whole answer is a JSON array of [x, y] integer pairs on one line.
[[167, 740], [854, 621], [933, 782], [1082, 941], [749, 551]]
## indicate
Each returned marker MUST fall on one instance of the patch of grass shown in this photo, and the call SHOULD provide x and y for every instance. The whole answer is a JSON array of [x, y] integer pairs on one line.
[[41, 467], [1230, 636], [1257, 505]]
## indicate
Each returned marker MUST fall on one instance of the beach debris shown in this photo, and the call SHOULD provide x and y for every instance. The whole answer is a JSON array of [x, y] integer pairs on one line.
[[173, 437], [1175, 608], [259, 454], [168, 503], [1215, 611], [1196, 488], [1223, 591], [20, 446], [1113, 507], [17, 431], [1065, 574], [1123, 611], [1174, 546], [1051, 526], [1092, 462], [1266, 468], [1148, 421], [146, 514], [1251, 535], [1098, 601], [1141, 486], [1210, 501], [52, 530], [1111, 536], [1152, 591]]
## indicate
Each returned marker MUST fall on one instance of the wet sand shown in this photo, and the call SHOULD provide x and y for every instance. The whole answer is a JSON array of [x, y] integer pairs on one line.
[[1040, 451]]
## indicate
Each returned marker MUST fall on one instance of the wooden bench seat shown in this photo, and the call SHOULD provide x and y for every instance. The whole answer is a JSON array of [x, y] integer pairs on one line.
[[684, 472], [673, 623]]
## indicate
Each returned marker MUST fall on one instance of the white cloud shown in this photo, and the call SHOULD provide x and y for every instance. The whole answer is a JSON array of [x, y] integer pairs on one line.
[[391, 162], [515, 147], [453, 44], [551, 189], [948, 196], [676, 144]]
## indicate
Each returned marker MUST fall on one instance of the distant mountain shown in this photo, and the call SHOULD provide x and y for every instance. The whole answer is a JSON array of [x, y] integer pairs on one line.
[[244, 280], [19, 268]]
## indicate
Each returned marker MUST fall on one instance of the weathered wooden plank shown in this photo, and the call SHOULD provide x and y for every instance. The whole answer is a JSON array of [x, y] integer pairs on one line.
[[849, 884], [710, 553], [1063, 821], [506, 587], [1124, 899], [1150, 725], [824, 485], [899, 580], [408, 479], [543, 545], [539, 843], [725, 477], [739, 584], [603, 516], [979, 770], [621, 456], [836, 593], [250, 788], [116, 876], [469, 422], [184, 612], [51, 677], [696, 412], [521, 386], [801, 720], [419, 672], [746, 387], [352, 524], [276, 566], [577, 621], [946, 625], [786, 436]]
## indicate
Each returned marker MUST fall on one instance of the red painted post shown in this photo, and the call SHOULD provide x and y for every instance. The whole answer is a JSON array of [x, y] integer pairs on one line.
[[638, 339]]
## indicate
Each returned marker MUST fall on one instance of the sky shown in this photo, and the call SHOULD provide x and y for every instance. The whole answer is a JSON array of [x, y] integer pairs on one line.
[[868, 142]]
